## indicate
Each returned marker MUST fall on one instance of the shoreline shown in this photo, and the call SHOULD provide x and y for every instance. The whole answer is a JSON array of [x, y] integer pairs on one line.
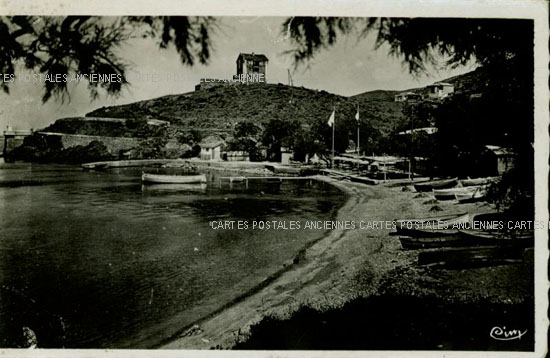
[[290, 288], [348, 264]]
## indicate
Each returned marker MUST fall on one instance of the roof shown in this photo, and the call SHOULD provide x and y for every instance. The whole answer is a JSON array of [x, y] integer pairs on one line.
[[252, 56], [500, 151], [407, 94], [427, 130], [211, 142], [440, 84]]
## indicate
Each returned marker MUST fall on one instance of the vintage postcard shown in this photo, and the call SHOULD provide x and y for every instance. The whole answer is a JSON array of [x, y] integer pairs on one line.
[[301, 180]]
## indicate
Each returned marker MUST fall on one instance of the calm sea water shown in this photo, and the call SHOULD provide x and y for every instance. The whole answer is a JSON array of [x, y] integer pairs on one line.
[[93, 259]]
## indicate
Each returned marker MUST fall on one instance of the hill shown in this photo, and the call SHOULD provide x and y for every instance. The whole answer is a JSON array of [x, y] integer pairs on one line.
[[223, 106]]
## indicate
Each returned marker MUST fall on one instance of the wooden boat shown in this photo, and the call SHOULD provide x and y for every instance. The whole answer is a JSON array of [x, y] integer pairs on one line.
[[173, 179], [130, 163], [436, 184], [470, 197], [431, 227], [477, 181], [466, 257], [450, 194], [413, 243], [519, 238], [153, 187]]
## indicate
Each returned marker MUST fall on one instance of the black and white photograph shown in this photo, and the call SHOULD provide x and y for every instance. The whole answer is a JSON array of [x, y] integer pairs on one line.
[[296, 181]]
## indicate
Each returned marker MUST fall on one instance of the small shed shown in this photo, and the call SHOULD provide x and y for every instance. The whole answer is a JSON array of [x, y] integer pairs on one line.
[[211, 148], [286, 155], [504, 158]]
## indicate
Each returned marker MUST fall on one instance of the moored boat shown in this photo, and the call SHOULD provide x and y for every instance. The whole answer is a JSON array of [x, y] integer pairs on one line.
[[163, 187], [173, 179], [436, 184]]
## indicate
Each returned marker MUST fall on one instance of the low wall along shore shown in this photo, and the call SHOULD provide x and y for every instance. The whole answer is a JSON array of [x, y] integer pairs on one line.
[[113, 144]]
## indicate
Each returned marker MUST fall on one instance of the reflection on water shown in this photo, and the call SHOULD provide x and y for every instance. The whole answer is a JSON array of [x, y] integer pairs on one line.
[[95, 259]]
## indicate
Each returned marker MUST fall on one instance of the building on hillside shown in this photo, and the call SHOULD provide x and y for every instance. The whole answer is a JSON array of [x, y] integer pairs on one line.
[[251, 67], [440, 90], [211, 148], [408, 97]]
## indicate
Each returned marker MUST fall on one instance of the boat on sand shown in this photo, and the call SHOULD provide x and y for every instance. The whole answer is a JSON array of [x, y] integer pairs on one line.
[[471, 196], [449, 194], [477, 181], [173, 179], [468, 257], [436, 184]]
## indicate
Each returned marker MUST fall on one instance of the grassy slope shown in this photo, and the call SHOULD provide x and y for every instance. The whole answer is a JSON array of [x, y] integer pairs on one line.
[[221, 107]]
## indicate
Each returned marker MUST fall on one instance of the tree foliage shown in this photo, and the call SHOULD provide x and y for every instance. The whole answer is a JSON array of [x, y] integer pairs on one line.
[[89, 44]]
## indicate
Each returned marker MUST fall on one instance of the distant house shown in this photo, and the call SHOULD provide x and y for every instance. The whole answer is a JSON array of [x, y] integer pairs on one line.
[[440, 90], [408, 97], [427, 130], [211, 148], [251, 67], [236, 155], [504, 158], [286, 155]]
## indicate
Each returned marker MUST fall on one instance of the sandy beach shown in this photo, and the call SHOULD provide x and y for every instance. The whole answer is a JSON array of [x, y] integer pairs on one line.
[[348, 264]]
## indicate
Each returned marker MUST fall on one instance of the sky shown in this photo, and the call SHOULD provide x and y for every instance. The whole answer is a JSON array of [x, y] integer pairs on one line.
[[350, 67]]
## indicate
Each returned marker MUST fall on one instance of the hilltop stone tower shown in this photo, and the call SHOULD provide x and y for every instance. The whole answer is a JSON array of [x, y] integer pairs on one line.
[[251, 67]]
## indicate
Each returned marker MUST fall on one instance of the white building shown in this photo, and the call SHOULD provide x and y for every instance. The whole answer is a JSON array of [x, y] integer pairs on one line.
[[440, 90]]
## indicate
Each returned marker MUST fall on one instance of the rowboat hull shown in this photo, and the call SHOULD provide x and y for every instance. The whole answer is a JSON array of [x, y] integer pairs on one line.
[[437, 184], [173, 179], [460, 258], [471, 197], [523, 238], [477, 181], [449, 194], [414, 243], [431, 227], [153, 187]]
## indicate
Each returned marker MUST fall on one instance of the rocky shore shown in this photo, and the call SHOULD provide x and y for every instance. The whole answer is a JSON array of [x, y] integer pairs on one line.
[[350, 273]]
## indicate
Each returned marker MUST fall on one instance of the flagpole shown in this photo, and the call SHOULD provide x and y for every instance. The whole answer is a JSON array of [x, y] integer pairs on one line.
[[358, 129], [333, 125]]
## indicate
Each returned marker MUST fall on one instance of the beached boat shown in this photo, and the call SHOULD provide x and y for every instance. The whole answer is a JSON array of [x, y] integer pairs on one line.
[[173, 179], [413, 243], [469, 197], [450, 194], [432, 227], [477, 181], [436, 184], [520, 238], [467, 257]]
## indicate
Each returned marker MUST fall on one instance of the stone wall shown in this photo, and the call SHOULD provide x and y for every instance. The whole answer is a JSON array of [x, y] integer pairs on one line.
[[114, 144]]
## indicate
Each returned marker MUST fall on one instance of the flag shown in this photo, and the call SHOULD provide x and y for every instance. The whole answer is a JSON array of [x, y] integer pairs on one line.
[[331, 119], [357, 116]]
